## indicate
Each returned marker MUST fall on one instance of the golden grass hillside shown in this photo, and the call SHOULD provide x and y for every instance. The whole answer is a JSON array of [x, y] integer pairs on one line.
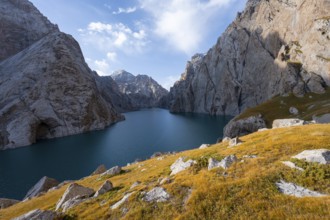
[[246, 190]]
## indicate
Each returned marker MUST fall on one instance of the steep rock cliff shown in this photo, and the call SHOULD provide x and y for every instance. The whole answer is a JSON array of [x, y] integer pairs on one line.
[[273, 47], [143, 91], [46, 90]]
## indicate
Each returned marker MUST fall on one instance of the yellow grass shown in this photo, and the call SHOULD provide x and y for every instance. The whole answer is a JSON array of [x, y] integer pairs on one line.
[[248, 191]]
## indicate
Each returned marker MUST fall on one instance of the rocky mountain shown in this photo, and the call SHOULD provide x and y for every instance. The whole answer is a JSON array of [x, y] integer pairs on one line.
[[143, 91], [46, 88], [274, 47]]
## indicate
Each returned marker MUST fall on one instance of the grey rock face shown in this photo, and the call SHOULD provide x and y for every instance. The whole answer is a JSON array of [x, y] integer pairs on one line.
[[179, 165], [74, 192], [224, 163], [5, 203], [112, 171], [157, 194], [284, 123], [295, 190], [43, 185], [321, 156], [270, 49], [38, 215], [236, 128], [106, 187], [142, 90]]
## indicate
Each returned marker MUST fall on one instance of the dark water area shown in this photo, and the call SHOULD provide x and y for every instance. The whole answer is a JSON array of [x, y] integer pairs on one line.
[[139, 136]]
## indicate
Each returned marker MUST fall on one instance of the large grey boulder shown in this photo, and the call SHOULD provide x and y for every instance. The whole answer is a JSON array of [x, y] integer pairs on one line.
[[157, 194], [241, 127], [257, 58], [322, 119], [112, 171], [225, 163], [106, 187], [39, 215], [47, 89], [43, 185], [285, 123], [321, 156], [142, 90], [100, 169], [74, 192], [293, 111], [295, 190], [5, 203], [179, 165]]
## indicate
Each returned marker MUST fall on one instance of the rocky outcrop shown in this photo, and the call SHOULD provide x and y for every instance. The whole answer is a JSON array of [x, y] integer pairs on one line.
[[241, 127], [74, 192], [39, 215], [179, 165], [292, 165], [43, 185], [142, 90], [46, 88], [106, 187], [271, 48], [321, 156], [5, 203], [225, 163], [157, 194], [122, 201], [295, 190], [99, 170], [285, 123], [112, 171], [203, 146]]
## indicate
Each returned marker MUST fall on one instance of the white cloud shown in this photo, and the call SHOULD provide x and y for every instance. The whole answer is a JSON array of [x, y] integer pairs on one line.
[[169, 81], [112, 56], [102, 67], [183, 23], [124, 10]]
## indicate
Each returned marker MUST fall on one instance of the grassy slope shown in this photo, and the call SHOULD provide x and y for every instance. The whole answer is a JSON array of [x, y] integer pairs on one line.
[[278, 107], [248, 192]]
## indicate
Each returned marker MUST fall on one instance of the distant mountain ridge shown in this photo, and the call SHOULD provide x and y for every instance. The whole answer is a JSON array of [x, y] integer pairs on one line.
[[143, 91]]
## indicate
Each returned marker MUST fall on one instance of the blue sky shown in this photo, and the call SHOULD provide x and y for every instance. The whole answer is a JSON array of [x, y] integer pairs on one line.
[[153, 37]]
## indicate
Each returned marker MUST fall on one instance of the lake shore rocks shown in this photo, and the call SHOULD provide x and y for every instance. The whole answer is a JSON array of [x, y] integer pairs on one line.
[[43, 185], [241, 127], [112, 171], [5, 203]]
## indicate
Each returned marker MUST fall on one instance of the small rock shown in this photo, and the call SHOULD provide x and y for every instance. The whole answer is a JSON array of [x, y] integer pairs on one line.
[[250, 156], [38, 215], [71, 203], [157, 194], [100, 169], [122, 201], [321, 156], [292, 165], [165, 180], [179, 165], [203, 146], [74, 191], [5, 203], [263, 129], [295, 190], [224, 163], [160, 158], [284, 123], [135, 184], [106, 187], [156, 154], [234, 142], [293, 111], [112, 171], [226, 139], [43, 185]]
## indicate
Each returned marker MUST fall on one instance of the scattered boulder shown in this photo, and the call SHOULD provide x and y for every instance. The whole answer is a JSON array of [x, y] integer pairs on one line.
[[224, 163], [179, 165], [321, 156], [293, 111], [322, 119], [226, 139], [39, 215], [100, 169], [74, 191], [236, 128], [164, 180], [5, 203], [71, 203], [295, 190], [292, 165], [135, 184], [106, 187], [290, 122], [157, 194], [43, 185], [112, 171], [203, 146], [235, 142], [122, 201], [250, 156]]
